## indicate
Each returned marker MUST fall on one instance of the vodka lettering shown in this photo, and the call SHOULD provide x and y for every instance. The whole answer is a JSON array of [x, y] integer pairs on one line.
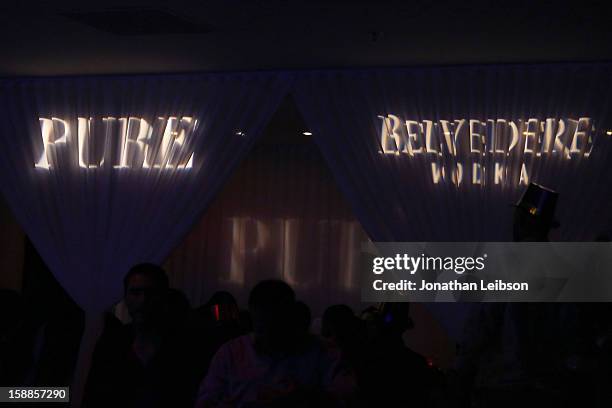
[[482, 152]]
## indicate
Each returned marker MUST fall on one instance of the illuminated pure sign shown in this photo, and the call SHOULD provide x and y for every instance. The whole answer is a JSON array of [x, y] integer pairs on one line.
[[121, 143], [498, 139]]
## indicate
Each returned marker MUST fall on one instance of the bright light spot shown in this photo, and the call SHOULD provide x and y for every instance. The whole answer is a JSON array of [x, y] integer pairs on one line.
[[189, 164], [240, 133], [609, 133], [307, 133]]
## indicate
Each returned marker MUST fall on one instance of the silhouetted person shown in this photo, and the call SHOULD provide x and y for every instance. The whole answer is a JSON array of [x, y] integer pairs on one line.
[[370, 317], [512, 353], [347, 334], [397, 376], [338, 323], [54, 322], [589, 356], [269, 367], [15, 341], [145, 363], [221, 317], [221, 306], [218, 322]]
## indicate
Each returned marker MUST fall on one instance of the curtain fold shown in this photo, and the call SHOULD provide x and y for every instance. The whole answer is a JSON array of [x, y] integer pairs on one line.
[[388, 136], [106, 172], [400, 194], [103, 173]]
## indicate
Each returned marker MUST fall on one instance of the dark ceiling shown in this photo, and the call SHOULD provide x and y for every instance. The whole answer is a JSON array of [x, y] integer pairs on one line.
[[77, 37]]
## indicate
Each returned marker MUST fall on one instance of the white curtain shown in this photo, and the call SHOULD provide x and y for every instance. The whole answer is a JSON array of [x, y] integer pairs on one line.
[[373, 128], [384, 134], [106, 172]]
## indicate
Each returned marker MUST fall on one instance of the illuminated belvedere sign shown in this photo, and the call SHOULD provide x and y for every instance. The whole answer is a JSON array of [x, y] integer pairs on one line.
[[120, 143], [480, 152]]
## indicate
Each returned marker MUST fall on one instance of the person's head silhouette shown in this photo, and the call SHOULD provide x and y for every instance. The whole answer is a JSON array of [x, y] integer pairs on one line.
[[221, 309], [338, 323], [272, 307], [145, 293], [396, 317]]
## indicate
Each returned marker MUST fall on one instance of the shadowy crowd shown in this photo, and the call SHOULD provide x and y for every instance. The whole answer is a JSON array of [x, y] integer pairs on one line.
[[156, 351]]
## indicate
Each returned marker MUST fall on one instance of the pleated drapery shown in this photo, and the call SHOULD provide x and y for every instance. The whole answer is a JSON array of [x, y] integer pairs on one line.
[[103, 173], [80, 156], [385, 134]]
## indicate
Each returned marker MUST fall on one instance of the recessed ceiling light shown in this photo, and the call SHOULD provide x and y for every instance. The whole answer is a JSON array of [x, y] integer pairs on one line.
[[307, 133]]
